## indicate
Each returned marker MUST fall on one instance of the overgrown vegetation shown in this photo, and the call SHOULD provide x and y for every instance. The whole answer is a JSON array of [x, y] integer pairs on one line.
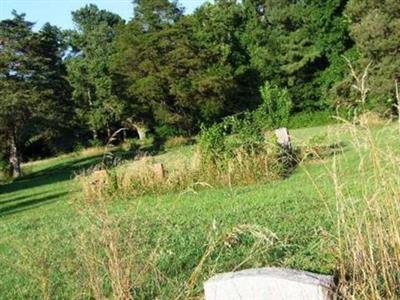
[[165, 73], [335, 215], [185, 177]]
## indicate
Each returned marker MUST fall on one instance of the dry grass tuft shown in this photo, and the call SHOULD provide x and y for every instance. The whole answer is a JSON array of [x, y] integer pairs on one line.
[[369, 220], [370, 119], [106, 254], [143, 176]]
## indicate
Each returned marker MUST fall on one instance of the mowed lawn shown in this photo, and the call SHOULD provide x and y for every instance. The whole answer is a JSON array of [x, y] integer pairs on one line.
[[39, 222]]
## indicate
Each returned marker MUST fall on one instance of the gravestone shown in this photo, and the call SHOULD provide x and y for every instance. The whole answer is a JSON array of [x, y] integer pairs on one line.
[[159, 171], [283, 138], [270, 284], [99, 178]]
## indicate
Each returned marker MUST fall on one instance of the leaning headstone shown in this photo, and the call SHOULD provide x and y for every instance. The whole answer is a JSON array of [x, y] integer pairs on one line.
[[283, 138], [270, 284], [159, 171]]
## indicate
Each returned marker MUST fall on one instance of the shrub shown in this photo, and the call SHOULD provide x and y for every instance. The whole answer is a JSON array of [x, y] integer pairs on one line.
[[95, 143], [233, 152], [238, 147], [166, 131], [276, 105], [221, 140]]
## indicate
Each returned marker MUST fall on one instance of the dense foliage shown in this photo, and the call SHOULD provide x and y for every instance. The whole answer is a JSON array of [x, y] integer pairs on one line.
[[167, 73]]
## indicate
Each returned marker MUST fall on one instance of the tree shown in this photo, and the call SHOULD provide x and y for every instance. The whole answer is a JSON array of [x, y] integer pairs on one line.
[[89, 67], [298, 45], [51, 48], [142, 64], [182, 71], [153, 15], [220, 28], [375, 27], [28, 89]]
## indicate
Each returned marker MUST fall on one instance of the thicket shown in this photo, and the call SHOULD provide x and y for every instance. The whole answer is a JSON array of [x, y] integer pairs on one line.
[[236, 151], [166, 74]]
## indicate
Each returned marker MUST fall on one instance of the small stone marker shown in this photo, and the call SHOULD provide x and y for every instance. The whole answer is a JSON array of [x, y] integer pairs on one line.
[[159, 171], [283, 138], [270, 284], [99, 178]]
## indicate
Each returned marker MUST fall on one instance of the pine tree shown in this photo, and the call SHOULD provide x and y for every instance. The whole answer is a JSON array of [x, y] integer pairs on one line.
[[375, 27], [28, 89], [89, 67]]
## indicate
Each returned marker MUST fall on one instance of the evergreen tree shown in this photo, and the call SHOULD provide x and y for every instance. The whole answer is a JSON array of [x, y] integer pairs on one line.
[[56, 94], [140, 63], [28, 84], [89, 67], [375, 27], [298, 45], [184, 71]]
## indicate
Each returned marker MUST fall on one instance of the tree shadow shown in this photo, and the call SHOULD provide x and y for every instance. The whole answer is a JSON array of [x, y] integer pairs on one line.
[[19, 198], [55, 174], [30, 202]]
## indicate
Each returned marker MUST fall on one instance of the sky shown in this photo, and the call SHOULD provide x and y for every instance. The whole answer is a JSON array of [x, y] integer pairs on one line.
[[58, 12]]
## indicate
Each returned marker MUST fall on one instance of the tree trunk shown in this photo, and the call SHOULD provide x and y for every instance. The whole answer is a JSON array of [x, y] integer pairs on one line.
[[141, 130], [95, 136], [108, 134], [15, 161]]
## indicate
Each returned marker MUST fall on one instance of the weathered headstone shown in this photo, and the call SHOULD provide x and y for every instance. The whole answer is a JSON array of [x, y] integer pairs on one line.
[[283, 138], [270, 284], [99, 178], [159, 171]]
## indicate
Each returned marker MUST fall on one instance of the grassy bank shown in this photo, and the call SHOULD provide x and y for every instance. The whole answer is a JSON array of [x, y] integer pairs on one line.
[[167, 245]]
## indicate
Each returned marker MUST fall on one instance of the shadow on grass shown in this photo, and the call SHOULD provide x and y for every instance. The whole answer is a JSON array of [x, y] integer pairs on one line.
[[30, 203], [60, 172]]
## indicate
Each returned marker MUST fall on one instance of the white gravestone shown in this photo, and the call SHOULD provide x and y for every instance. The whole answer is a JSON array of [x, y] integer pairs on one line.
[[283, 138], [270, 284]]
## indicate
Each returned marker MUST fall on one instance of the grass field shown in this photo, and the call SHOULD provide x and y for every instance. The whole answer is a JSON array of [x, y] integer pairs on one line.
[[184, 237]]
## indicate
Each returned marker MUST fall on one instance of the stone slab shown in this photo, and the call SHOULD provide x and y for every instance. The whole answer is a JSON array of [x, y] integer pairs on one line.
[[270, 284]]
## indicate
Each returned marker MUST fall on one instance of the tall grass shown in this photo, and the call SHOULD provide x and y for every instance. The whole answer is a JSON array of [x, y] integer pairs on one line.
[[243, 167], [119, 263], [106, 253], [368, 218]]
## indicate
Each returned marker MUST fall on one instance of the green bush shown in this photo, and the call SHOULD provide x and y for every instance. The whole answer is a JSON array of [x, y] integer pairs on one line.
[[95, 143], [276, 106], [221, 140], [238, 147]]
